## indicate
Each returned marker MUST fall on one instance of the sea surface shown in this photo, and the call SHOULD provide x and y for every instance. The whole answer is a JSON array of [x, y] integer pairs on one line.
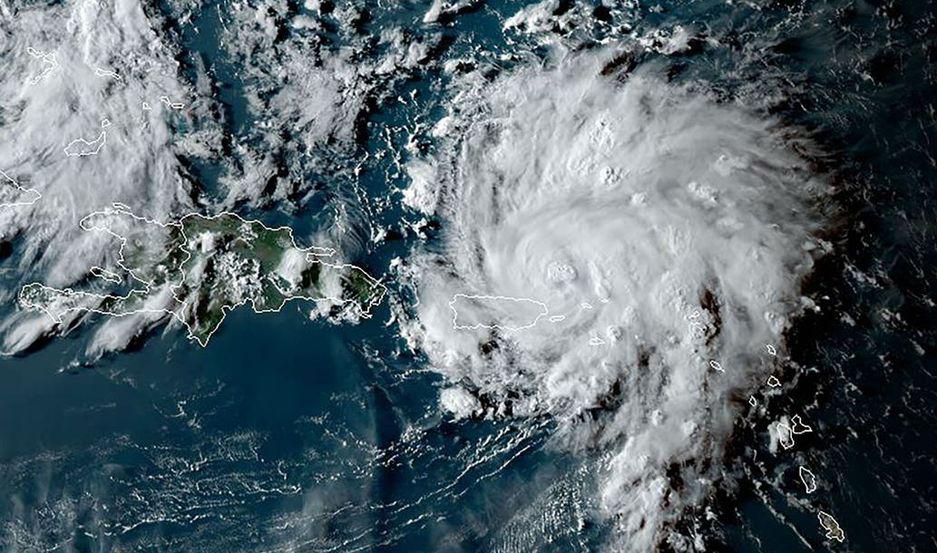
[[291, 434]]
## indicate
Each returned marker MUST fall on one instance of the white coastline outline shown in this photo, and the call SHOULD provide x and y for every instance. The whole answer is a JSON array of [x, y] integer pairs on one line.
[[797, 423], [22, 190], [833, 529], [808, 478], [78, 142], [784, 431], [455, 314], [47, 58], [104, 274], [101, 72], [169, 103], [362, 311]]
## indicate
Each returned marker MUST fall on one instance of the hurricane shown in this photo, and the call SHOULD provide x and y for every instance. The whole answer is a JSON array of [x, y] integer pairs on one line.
[[619, 254], [500, 276]]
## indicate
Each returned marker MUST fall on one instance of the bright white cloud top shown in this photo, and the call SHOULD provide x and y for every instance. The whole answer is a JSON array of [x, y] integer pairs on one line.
[[661, 229]]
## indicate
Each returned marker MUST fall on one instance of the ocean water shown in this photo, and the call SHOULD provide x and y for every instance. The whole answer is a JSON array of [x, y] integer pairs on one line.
[[291, 434]]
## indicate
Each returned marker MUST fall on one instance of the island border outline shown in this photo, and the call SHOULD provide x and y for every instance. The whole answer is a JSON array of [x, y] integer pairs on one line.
[[310, 251]]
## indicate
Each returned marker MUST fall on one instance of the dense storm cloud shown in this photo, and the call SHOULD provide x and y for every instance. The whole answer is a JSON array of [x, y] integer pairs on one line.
[[664, 234]]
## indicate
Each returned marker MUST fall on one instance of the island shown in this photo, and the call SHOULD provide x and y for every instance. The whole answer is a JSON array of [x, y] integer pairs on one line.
[[198, 268]]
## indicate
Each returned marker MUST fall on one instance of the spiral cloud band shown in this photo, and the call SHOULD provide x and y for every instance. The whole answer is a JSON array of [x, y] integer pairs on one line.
[[617, 251]]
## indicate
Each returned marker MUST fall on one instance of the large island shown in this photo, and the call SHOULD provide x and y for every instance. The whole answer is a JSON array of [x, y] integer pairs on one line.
[[199, 267]]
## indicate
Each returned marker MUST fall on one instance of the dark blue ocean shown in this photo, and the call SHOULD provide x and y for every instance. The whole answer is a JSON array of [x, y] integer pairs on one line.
[[291, 434]]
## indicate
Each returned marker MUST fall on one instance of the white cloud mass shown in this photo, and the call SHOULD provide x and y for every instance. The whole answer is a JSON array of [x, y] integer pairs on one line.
[[661, 228], [86, 103], [101, 103]]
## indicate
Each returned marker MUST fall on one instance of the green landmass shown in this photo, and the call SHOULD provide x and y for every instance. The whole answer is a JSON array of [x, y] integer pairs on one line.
[[211, 265]]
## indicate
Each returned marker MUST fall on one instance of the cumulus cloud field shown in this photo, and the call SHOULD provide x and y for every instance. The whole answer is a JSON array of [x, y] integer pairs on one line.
[[100, 103]]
